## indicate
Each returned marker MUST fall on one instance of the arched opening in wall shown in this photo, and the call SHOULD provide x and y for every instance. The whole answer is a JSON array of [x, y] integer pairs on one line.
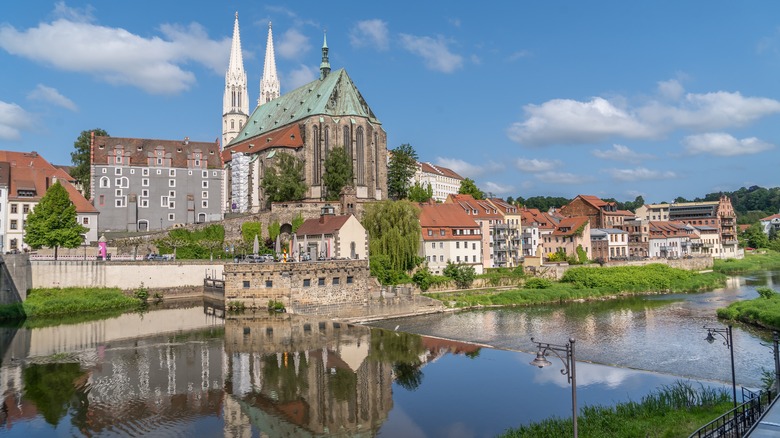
[[286, 229], [143, 225], [316, 149]]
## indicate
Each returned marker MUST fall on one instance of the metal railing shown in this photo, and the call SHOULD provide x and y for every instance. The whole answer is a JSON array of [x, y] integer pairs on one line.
[[739, 420]]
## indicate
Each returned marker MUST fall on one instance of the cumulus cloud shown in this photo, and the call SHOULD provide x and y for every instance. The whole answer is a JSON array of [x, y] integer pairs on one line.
[[725, 145], [370, 33], [13, 119], [533, 165], [640, 174], [567, 121], [621, 153], [466, 169], [52, 96], [435, 52], [562, 178], [300, 76], [116, 56], [497, 189], [293, 44]]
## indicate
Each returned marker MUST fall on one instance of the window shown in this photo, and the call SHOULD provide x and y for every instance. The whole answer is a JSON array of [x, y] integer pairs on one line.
[[171, 217], [205, 204], [321, 281], [335, 281], [171, 183], [307, 282], [433, 245], [105, 170], [189, 173], [102, 200], [441, 232], [441, 258], [144, 203], [205, 174], [14, 207], [145, 172], [117, 171], [457, 259], [350, 279], [246, 284], [85, 221], [14, 224], [25, 208], [269, 283], [457, 245], [119, 202], [105, 182], [118, 192], [171, 194], [159, 162], [163, 201], [171, 204], [205, 184], [441, 245], [204, 195], [118, 182], [132, 171], [172, 172], [145, 193], [430, 232], [145, 182], [214, 173], [159, 171]]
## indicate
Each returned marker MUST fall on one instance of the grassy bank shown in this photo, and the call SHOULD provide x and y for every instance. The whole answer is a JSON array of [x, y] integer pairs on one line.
[[673, 411], [590, 283], [763, 311], [47, 303], [754, 261]]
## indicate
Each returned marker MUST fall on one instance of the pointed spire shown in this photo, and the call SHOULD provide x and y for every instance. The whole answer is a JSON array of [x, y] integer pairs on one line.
[[269, 84], [236, 58], [325, 65], [235, 102]]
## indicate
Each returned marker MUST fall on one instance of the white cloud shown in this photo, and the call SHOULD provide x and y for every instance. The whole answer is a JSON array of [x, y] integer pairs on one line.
[[567, 121], [466, 169], [518, 55], [13, 119], [533, 165], [117, 56], [640, 174], [725, 145], [496, 188], [85, 15], [370, 33], [621, 153], [300, 76], [51, 95], [562, 178], [293, 44], [434, 52]]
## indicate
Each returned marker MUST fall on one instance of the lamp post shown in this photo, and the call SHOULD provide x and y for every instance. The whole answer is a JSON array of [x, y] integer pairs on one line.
[[566, 354], [725, 333], [775, 340]]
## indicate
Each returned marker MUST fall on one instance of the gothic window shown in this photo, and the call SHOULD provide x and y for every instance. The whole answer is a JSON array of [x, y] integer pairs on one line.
[[359, 152], [348, 142], [326, 135], [376, 160], [316, 161], [240, 125]]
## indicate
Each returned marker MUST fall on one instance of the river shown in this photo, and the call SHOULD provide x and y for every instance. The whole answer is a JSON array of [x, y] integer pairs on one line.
[[184, 370]]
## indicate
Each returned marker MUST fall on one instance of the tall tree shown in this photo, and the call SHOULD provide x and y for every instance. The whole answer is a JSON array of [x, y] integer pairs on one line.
[[418, 193], [338, 173], [284, 181], [469, 187], [400, 171], [81, 160], [393, 233], [52, 223]]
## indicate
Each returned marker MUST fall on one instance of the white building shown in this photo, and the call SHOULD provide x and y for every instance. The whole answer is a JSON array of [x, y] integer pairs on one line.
[[608, 244], [449, 235], [443, 181]]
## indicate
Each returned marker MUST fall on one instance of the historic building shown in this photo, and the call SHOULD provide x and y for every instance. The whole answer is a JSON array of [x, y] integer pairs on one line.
[[307, 123], [608, 244], [142, 185], [443, 181], [449, 235], [569, 235], [601, 214]]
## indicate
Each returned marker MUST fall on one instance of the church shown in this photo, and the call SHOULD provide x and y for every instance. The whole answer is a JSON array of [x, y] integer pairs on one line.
[[307, 123]]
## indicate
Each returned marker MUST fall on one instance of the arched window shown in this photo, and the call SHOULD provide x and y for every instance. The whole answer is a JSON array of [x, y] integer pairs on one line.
[[348, 142], [232, 124], [376, 160], [326, 135], [240, 125], [316, 162], [105, 183], [360, 157]]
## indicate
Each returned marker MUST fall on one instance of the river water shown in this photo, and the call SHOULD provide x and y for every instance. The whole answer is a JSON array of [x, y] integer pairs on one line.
[[184, 370]]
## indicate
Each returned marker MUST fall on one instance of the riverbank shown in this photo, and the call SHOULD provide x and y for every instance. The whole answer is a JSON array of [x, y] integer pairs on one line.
[[675, 410], [583, 284], [758, 260], [69, 303], [763, 312]]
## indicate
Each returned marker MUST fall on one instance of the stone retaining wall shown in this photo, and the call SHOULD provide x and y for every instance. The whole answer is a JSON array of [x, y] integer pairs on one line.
[[555, 271]]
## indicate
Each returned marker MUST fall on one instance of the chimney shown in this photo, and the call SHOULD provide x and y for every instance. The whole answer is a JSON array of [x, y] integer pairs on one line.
[[327, 210]]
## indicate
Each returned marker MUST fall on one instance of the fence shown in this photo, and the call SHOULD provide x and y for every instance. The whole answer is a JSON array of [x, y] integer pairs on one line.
[[739, 420]]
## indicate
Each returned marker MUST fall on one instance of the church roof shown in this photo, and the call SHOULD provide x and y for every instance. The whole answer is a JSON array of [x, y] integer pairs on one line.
[[335, 95]]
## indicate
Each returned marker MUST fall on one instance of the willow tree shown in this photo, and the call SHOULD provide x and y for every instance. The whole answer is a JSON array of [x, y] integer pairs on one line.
[[394, 233]]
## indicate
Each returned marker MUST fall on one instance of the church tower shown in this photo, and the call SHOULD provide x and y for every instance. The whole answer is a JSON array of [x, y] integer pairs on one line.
[[269, 84], [235, 103], [325, 64]]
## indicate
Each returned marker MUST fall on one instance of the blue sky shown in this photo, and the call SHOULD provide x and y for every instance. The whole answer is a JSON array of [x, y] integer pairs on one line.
[[610, 98]]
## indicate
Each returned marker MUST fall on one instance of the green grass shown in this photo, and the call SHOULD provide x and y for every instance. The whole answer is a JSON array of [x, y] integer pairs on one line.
[[761, 311], [68, 302], [589, 283], [673, 411], [766, 259]]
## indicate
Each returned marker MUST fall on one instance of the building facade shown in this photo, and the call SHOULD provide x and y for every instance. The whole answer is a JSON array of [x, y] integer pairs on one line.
[[569, 235], [449, 235], [487, 216], [443, 181], [143, 185], [331, 237], [609, 244]]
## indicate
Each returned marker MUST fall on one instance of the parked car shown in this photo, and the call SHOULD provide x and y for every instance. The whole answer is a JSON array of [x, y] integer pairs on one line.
[[252, 258], [154, 257]]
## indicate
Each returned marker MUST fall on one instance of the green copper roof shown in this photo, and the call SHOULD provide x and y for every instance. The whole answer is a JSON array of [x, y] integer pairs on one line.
[[335, 96]]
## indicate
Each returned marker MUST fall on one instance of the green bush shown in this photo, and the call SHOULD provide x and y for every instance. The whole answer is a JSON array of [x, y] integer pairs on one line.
[[422, 278], [537, 283], [463, 275], [142, 293], [763, 311], [766, 292]]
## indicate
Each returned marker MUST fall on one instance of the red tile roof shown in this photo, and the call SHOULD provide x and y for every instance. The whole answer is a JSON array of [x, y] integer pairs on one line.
[[504, 206], [443, 171], [446, 217], [325, 224], [533, 215], [30, 171], [285, 137], [140, 150], [769, 218], [568, 226], [480, 209]]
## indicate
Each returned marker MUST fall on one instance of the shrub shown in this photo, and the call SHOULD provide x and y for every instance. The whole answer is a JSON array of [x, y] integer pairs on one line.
[[766, 292], [236, 306], [463, 275], [142, 293], [276, 306], [423, 279], [538, 283]]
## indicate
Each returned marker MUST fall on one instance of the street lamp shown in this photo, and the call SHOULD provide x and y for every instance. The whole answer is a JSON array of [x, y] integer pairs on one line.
[[725, 333], [569, 369]]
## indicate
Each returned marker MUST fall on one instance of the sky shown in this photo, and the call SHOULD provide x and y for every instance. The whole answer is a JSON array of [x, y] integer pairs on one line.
[[612, 98]]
